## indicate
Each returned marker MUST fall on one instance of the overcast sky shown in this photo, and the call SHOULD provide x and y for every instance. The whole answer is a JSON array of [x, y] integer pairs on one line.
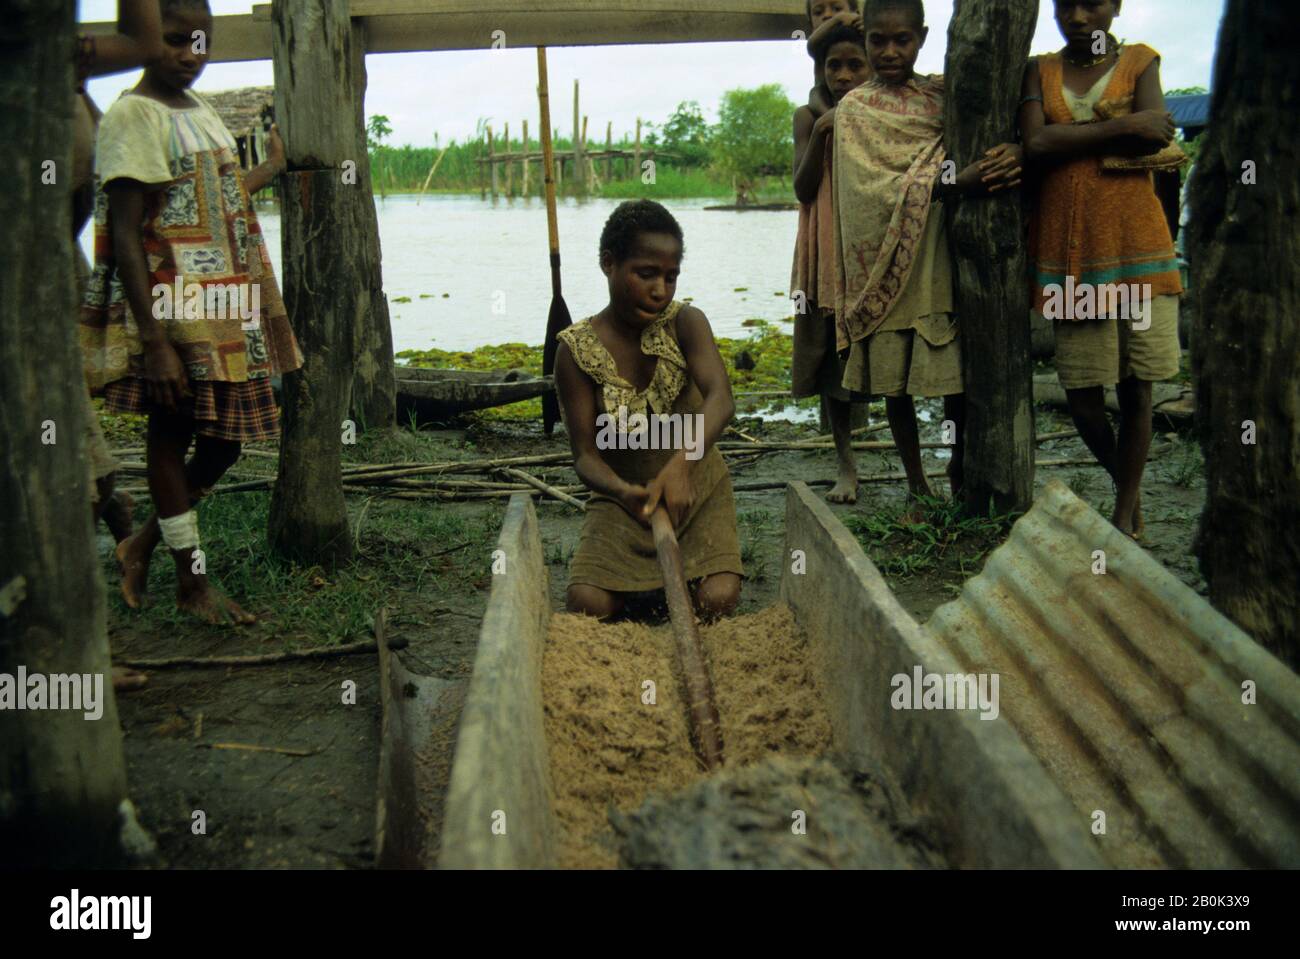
[[422, 93]]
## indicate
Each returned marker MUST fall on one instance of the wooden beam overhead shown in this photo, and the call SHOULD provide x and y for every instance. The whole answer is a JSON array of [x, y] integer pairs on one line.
[[408, 26]]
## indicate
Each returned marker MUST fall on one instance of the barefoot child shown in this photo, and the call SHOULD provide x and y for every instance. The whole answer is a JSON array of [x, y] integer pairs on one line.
[[894, 305], [183, 320], [646, 354], [824, 15], [1103, 231], [817, 369]]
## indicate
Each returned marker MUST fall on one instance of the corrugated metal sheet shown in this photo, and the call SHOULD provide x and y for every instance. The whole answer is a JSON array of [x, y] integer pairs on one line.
[[1129, 688]]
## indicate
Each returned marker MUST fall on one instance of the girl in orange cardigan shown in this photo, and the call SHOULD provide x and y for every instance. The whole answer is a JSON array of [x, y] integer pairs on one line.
[[1103, 259]]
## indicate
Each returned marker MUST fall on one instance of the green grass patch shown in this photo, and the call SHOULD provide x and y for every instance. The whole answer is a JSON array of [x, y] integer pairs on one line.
[[401, 548], [944, 544]]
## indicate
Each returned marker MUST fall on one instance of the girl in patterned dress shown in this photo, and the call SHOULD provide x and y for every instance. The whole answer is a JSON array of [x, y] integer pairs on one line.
[[182, 320], [647, 354]]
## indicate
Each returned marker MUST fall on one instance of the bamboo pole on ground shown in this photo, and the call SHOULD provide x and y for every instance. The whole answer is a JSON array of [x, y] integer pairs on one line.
[[695, 671]]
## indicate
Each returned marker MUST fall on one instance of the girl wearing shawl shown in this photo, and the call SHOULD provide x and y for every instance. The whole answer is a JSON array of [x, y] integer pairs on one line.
[[182, 319], [894, 306], [647, 354]]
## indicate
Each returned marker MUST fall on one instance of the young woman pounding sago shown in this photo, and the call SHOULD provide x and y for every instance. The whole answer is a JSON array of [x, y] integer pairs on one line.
[[650, 354]]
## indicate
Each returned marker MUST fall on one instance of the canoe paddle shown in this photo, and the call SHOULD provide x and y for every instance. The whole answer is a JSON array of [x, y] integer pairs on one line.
[[559, 316], [699, 688]]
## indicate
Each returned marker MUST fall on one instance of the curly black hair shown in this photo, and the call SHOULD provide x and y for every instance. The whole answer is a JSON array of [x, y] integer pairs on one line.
[[913, 7], [630, 220], [837, 34]]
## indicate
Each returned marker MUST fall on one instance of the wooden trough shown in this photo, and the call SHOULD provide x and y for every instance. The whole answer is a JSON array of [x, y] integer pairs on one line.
[[986, 794], [987, 791]]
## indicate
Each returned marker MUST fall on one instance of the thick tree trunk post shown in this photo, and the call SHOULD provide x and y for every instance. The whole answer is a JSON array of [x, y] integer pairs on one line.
[[988, 46], [326, 285], [62, 775], [374, 383], [1244, 246]]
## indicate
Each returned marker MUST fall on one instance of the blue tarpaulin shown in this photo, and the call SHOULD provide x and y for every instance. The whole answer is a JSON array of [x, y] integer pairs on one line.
[[1190, 111]]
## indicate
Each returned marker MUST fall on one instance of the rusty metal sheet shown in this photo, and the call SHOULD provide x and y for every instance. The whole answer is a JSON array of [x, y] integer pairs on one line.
[[1143, 702]]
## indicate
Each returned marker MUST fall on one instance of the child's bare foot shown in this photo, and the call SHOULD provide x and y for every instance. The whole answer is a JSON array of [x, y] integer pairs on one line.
[[133, 562], [128, 680], [845, 489], [1123, 523], [118, 515], [916, 508], [209, 604]]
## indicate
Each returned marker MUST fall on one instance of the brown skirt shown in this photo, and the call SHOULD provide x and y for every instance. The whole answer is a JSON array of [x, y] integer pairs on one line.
[[239, 412], [617, 553]]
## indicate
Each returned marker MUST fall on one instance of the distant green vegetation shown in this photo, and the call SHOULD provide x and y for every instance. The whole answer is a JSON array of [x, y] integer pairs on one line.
[[746, 155], [770, 347]]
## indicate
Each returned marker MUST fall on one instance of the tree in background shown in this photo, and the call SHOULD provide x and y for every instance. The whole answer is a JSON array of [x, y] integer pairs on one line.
[[377, 130], [686, 133], [753, 136]]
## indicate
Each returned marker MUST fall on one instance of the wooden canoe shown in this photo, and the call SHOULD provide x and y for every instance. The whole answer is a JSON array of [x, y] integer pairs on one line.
[[437, 395]]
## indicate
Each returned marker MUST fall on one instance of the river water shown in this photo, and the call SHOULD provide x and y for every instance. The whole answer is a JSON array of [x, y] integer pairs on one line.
[[477, 272]]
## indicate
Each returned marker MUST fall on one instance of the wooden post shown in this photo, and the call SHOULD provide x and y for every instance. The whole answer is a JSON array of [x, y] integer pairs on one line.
[[510, 166], [62, 775], [326, 287], [482, 173], [374, 385], [577, 141], [609, 152], [636, 171], [492, 160], [1245, 362], [988, 44], [524, 189], [588, 168]]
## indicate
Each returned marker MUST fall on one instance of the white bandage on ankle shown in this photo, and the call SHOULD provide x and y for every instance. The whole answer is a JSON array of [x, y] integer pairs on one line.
[[180, 532]]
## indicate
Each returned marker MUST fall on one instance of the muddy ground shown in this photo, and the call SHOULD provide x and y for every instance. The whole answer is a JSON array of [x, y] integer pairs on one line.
[[429, 565]]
